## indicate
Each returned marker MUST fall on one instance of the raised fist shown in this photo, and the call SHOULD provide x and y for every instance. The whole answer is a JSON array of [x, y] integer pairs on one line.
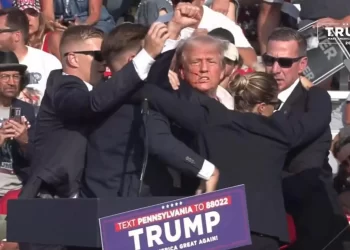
[[186, 15], [155, 39]]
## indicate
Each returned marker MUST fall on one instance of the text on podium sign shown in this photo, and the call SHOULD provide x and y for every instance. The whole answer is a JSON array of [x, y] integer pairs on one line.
[[217, 220]]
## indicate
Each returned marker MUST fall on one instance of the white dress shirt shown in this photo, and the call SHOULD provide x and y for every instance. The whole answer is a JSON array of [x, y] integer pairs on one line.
[[225, 97], [143, 61], [283, 96], [206, 171]]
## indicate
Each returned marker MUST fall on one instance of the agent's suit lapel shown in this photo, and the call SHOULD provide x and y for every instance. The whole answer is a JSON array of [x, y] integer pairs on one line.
[[293, 98]]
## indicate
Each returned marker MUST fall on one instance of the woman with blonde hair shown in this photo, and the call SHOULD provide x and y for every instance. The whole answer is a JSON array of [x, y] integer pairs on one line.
[[41, 34], [250, 144]]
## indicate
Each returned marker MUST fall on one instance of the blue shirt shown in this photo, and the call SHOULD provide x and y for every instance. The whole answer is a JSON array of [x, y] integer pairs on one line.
[[6, 4]]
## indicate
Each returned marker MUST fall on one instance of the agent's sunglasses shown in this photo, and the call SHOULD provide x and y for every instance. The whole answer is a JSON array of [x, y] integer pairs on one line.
[[276, 104], [96, 54], [284, 62]]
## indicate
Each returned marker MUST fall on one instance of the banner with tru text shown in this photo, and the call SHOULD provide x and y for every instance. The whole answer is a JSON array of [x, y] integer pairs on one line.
[[217, 220], [325, 54]]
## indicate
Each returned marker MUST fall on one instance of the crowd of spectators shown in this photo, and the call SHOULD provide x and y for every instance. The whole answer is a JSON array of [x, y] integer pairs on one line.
[[229, 102]]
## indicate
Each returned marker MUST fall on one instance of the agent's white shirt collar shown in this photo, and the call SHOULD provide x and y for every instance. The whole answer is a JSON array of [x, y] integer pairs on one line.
[[225, 97], [88, 85], [284, 95]]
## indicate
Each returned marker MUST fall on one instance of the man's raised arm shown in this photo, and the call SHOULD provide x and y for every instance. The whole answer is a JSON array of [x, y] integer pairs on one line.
[[72, 101]]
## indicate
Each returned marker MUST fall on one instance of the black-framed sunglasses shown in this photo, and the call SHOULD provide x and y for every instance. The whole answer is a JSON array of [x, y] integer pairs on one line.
[[96, 54], [31, 12], [284, 62], [7, 30], [276, 104]]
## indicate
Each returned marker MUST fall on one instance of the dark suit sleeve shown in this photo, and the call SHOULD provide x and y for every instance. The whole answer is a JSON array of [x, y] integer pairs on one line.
[[186, 114], [303, 130], [158, 74], [170, 150], [72, 101], [30, 115]]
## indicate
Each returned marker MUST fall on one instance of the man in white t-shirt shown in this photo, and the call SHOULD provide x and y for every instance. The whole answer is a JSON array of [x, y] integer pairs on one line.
[[14, 32], [210, 20]]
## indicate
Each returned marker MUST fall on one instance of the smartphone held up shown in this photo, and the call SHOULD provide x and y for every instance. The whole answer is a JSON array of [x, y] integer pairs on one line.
[[15, 114]]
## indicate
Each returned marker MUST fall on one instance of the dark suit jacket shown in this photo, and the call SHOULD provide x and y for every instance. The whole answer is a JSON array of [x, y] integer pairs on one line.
[[67, 112], [115, 156], [299, 159], [248, 149], [158, 75], [311, 160], [308, 189]]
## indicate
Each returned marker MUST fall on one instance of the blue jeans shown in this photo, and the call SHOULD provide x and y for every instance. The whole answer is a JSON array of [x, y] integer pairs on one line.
[[117, 8], [105, 26], [6, 4]]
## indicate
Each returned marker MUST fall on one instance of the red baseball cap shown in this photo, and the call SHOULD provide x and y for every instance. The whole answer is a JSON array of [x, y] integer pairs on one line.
[[27, 4]]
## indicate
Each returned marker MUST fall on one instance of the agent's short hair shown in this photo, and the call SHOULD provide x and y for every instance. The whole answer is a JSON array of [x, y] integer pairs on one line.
[[17, 20], [79, 33], [127, 36], [287, 34]]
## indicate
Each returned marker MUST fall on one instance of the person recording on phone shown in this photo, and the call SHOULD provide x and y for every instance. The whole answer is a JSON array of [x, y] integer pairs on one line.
[[17, 124], [76, 100]]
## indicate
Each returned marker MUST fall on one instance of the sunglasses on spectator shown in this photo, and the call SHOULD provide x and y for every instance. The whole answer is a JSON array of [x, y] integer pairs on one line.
[[31, 12], [96, 54], [284, 62], [7, 30]]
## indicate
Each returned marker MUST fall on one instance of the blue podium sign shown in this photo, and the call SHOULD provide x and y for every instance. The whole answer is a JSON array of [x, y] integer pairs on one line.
[[217, 220]]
